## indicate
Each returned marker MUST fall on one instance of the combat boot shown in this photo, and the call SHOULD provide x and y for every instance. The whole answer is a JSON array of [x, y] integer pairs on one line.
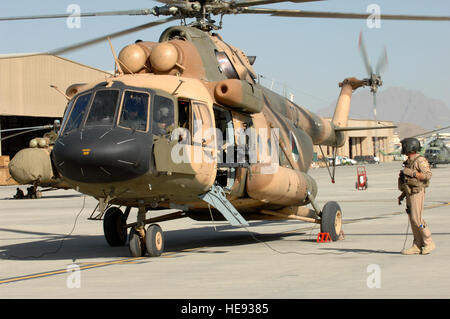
[[428, 248], [414, 250]]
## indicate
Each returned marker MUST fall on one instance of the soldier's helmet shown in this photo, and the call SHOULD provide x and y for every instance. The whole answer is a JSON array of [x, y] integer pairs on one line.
[[410, 145]]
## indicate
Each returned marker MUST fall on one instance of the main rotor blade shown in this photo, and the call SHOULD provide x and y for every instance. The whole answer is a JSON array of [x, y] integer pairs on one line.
[[382, 63], [433, 131], [87, 14], [249, 3], [341, 15], [111, 35], [362, 49]]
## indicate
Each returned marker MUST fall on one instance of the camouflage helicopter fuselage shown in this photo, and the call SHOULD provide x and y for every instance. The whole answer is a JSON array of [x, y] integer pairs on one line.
[[202, 121]]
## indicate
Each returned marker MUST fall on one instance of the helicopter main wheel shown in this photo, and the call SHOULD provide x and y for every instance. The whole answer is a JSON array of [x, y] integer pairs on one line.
[[114, 227], [154, 240], [137, 243], [331, 220]]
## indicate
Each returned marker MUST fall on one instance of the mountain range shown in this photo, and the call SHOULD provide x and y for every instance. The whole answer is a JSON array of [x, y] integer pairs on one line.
[[411, 110]]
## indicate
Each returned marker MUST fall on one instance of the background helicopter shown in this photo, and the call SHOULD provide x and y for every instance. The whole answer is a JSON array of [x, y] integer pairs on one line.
[[435, 149], [201, 76], [438, 151]]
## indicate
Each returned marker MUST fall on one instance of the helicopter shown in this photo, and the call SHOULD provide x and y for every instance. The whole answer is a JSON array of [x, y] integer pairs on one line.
[[39, 150], [436, 150], [184, 125]]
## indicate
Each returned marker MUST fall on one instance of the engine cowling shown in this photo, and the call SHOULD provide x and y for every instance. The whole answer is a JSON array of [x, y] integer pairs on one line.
[[239, 94]]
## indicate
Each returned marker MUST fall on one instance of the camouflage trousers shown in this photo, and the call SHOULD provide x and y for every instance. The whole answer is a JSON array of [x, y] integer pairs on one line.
[[420, 229]]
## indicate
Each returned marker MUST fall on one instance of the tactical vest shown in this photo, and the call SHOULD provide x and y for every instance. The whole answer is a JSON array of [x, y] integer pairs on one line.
[[414, 183]]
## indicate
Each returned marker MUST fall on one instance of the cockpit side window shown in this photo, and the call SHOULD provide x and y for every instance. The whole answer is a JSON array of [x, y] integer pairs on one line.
[[163, 115], [225, 65], [134, 113], [103, 108], [76, 114]]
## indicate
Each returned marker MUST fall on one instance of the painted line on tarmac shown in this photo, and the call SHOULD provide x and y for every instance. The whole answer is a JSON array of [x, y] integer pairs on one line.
[[125, 261], [63, 271]]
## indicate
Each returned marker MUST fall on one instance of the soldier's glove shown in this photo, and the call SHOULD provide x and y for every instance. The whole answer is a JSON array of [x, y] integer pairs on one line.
[[408, 172]]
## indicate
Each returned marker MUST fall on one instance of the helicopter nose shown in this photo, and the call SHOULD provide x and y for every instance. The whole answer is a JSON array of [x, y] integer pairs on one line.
[[98, 155]]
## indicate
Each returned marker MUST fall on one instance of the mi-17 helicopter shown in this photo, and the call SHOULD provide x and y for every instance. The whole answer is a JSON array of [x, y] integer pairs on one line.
[[183, 124], [437, 150]]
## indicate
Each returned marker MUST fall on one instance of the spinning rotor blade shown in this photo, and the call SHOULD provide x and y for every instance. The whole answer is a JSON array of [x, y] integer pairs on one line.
[[382, 63], [87, 14], [340, 15], [433, 131], [111, 35], [365, 56]]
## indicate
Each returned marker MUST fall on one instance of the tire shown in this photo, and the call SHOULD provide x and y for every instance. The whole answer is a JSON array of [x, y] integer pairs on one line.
[[154, 240], [114, 227], [331, 220], [136, 244]]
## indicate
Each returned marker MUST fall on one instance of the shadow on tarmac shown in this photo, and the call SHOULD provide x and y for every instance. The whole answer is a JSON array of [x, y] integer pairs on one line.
[[49, 246]]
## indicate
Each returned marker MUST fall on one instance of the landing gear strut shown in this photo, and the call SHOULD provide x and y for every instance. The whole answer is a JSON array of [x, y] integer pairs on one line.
[[140, 240], [137, 234]]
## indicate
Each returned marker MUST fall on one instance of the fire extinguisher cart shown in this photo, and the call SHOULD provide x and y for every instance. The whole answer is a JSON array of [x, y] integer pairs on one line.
[[361, 178]]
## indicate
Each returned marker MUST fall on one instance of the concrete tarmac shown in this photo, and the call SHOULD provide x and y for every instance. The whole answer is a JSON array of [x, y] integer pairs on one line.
[[42, 240]]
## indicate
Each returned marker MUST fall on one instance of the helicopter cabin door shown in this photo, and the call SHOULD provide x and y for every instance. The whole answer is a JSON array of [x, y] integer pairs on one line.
[[226, 172]]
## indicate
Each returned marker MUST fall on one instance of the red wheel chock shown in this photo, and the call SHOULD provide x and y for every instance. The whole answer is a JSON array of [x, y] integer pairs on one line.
[[323, 238]]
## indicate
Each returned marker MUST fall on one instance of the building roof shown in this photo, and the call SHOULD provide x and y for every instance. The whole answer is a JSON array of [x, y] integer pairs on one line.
[[32, 54], [25, 80]]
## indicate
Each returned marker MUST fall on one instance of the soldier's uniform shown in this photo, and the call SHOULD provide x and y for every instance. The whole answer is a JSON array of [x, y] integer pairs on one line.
[[414, 189]]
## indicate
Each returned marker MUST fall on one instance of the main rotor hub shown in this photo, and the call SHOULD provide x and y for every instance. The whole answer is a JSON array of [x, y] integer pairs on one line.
[[200, 10]]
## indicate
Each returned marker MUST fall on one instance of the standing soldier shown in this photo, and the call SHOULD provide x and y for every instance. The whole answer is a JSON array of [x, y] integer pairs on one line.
[[413, 180]]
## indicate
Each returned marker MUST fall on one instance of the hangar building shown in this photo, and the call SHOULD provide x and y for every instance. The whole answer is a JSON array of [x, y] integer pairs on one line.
[[367, 142], [26, 98]]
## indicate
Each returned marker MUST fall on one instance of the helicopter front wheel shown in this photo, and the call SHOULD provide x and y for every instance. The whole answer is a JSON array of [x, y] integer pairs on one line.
[[114, 227], [137, 242], [154, 240], [331, 220]]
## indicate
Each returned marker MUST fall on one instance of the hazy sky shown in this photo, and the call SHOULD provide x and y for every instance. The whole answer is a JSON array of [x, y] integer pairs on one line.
[[310, 55]]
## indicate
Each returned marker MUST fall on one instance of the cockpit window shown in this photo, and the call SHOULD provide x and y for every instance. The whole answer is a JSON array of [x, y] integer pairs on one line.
[[134, 111], [73, 120], [163, 115], [225, 66], [103, 108]]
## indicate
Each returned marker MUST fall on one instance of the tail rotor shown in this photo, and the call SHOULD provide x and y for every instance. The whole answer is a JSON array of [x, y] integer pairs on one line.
[[374, 79]]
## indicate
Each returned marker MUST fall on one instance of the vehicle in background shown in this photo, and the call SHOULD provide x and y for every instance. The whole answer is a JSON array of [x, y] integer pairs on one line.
[[366, 159], [348, 161]]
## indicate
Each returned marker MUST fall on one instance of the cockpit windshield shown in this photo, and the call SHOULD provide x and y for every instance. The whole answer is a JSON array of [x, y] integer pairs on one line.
[[134, 111], [99, 108], [77, 113], [226, 66], [103, 108]]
